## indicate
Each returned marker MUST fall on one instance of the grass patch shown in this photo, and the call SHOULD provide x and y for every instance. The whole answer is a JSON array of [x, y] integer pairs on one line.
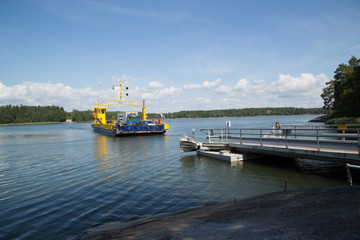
[[343, 120]]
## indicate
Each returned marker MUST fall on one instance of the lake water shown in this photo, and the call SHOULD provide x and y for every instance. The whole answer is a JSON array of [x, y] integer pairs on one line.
[[56, 181]]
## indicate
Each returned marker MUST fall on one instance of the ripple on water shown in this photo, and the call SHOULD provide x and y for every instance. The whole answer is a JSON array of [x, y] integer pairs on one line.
[[57, 181]]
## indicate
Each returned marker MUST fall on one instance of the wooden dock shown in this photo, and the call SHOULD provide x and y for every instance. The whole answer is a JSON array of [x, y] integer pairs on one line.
[[324, 143]]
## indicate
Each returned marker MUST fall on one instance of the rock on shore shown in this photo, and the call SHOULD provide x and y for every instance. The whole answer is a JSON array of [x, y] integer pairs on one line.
[[319, 213]]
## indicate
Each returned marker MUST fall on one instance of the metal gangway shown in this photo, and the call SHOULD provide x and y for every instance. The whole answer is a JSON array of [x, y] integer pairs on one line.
[[333, 143]]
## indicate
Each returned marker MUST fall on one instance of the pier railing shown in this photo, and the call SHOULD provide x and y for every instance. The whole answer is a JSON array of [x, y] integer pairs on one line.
[[318, 136]]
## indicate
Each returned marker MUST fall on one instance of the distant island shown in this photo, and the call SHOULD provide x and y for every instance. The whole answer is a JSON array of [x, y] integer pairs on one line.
[[35, 114], [245, 112]]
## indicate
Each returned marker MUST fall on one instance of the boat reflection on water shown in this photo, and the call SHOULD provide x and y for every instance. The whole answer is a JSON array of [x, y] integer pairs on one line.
[[123, 156], [102, 154]]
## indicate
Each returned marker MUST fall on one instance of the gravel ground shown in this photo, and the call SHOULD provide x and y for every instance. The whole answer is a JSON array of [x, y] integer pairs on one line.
[[319, 213]]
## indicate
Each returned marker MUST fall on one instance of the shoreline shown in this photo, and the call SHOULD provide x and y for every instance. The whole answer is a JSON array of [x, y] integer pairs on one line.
[[249, 116], [30, 123], [44, 123], [314, 213]]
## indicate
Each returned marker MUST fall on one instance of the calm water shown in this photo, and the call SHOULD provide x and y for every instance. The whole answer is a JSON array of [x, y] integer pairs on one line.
[[56, 181]]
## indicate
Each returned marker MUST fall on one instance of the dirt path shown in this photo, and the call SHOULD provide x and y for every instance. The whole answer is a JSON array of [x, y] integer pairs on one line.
[[321, 213]]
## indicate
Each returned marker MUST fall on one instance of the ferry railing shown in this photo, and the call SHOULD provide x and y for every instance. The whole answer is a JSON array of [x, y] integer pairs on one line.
[[316, 134]]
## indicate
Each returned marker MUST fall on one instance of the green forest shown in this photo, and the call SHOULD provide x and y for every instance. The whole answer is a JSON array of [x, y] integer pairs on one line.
[[245, 112], [342, 94], [31, 114]]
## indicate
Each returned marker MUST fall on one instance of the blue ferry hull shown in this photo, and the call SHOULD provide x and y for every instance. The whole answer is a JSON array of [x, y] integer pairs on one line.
[[131, 130], [104, 131]]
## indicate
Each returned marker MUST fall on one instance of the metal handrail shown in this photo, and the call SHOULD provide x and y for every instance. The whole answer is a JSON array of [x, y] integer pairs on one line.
[[318, 132], [350, 135]]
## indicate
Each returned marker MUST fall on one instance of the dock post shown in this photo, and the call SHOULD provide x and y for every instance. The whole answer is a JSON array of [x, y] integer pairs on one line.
[[240, 136], [317, 138], [228, 125], [286, 140], [227, 134], [348, 171], [261, 142], [358, 132]]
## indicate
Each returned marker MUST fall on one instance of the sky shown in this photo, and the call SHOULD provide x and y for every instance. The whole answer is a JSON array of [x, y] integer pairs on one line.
[[177, 55]]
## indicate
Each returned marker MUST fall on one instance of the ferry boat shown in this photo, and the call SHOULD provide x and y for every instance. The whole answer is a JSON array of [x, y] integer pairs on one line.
[[126, 123]]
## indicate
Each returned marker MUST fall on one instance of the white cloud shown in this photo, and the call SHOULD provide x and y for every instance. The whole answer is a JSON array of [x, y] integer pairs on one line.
[[302, 83], [241, 84], [225, 100], [223, 89], [155, 85], [123, 78], [259, 87], [208, 84], [155, 94], [34, 93], [126, 77], [205, 84], [192, 86], [286, 90], [304, 90], [170, 91], [202, 100]]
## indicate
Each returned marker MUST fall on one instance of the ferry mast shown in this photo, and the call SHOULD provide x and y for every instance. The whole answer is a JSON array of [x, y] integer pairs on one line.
[[122, 101]]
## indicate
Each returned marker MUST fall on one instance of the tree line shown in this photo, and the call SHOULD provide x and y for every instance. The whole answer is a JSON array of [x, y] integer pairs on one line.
[[33, 114], [244, 112], [342, 94]]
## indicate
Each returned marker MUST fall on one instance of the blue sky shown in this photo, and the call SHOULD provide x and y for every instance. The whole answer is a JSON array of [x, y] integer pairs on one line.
[[178, 55]]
